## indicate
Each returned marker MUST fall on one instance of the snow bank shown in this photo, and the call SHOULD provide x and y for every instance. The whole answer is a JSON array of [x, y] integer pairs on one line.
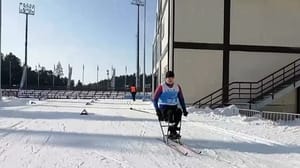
[[12, 101], [226, 111], [232, 113]]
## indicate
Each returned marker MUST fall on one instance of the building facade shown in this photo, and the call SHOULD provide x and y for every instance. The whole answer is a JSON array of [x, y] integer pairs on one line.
[[211, 43]]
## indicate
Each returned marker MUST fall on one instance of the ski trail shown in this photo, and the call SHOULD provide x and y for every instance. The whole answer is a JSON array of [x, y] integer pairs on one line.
[[153, 128], [119, 137], [103, 157], [247, 137], [223, 153], [14, 126], [229, 159]]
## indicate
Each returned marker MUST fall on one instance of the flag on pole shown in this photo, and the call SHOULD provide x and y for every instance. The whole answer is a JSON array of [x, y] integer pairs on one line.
[[54, 69], [82, 73]]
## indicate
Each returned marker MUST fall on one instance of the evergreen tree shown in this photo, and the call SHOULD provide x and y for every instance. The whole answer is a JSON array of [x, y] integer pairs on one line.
[[59, 70]]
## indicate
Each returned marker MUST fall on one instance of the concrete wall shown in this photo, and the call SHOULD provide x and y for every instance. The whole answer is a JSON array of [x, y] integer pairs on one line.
[[199, 72], [252, 66], [164, 66], [253, 22], [265, 22], [165, 27], [199, 21], [286, 104]]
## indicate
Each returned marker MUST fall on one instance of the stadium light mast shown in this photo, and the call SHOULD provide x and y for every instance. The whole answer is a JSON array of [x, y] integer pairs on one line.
[[27, 9], [138, 3]]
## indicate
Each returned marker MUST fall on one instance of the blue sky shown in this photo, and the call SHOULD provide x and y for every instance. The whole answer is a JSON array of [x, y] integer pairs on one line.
[[76, 32]]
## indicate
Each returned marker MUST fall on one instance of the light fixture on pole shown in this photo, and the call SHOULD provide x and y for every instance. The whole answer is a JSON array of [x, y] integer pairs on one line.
[[82, 74], [138, 3], [125, 78], [97, 77], [38, 71], [27, 9], [9, 73], [107, 73], [53, 76], [69, 77]]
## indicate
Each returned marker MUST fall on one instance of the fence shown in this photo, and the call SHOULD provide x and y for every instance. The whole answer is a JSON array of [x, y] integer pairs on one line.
[[72, 94], [274, 116]]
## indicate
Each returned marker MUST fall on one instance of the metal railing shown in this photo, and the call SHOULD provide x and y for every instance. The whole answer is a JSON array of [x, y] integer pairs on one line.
[[251, 92], [72, 94], [249, 113], [269, 115]]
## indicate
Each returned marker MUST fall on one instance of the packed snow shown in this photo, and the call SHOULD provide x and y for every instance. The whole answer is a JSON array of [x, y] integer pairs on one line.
[[53, 134]]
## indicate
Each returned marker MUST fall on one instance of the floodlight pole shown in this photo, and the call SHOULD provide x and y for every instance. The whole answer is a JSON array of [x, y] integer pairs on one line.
[[138, 3], [26, 44], [27, 9], [144, 74]]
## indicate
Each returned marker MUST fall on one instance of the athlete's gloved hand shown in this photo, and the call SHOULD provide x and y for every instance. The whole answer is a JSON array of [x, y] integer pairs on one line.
[[159, 115], [185, 113]]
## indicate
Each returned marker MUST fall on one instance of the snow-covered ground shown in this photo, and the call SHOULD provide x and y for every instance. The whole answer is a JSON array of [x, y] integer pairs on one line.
[[51, 133]]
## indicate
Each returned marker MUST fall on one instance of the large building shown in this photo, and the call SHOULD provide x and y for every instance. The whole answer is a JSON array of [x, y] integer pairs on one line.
[[212, 43]]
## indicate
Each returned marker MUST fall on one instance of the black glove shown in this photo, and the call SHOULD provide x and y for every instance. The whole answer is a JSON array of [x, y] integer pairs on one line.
[[185, 113], [159, 115]]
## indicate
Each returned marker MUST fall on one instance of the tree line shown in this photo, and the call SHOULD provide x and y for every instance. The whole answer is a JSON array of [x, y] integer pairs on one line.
[[41, 78]]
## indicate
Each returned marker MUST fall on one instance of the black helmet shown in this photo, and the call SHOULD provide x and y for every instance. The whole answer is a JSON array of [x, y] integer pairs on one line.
[[170, 74]]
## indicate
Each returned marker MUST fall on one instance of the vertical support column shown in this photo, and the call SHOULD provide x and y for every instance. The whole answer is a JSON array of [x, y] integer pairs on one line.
[[0, 49], [144, 60], [138, 49], [226, 51], [173, 35], [26, 43], [169, 20], [298, 100]]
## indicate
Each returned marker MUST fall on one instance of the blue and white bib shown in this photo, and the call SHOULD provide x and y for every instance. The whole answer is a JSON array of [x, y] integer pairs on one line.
[[169, 95]]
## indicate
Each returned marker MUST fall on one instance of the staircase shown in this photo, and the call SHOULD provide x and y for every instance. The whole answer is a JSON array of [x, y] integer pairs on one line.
[[256, 95]]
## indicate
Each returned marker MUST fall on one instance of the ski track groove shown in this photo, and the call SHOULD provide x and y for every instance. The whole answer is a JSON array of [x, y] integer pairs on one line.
[[239, 135], [33, 150], [226, 157], [242, 137], [80, 164], [174, 153], [8, 143], [105, 157], [14, 126]]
